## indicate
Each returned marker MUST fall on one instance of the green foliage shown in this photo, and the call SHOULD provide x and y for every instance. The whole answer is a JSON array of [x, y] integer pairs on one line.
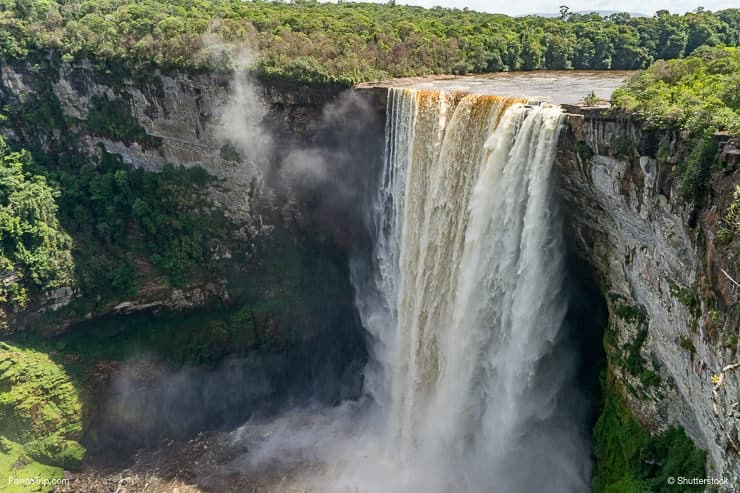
[[584, 150], [686, 296], [116, 213], [629, 355], [55, 450], [697, 167], [348, 42], [731, 342], [686, 344], [40, 407], [630, 460], [34, 249], [730, 226], [728, 233], [112, 118], [697, 95], [633, 314], [16, 463], [591, 99], [624, 148], [634, 363]]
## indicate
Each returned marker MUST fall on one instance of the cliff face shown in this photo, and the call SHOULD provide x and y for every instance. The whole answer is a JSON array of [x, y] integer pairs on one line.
[[672, 338], [186, 114], [238, 130]]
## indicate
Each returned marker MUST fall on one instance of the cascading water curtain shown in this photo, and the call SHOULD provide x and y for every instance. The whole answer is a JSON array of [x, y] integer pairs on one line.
[[468, 271]]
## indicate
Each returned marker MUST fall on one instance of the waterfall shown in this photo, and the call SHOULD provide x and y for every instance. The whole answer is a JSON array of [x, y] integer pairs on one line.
[[470, 385], [468, 273]]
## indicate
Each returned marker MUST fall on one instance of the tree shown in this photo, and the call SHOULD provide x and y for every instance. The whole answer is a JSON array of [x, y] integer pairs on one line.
[[34, 250], [564, 12]]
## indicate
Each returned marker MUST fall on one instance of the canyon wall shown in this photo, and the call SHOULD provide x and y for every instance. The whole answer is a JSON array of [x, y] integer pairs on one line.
[[267, 317], [672, 340], [239, 131]]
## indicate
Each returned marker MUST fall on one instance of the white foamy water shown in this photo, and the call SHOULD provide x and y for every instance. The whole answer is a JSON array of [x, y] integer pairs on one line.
[[464, 307]]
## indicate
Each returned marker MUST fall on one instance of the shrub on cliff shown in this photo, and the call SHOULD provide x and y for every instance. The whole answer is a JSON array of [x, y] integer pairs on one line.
[[113, 119]]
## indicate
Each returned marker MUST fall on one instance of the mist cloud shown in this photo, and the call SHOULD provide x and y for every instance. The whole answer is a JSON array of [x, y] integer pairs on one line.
[[332, 173], [241, 125]]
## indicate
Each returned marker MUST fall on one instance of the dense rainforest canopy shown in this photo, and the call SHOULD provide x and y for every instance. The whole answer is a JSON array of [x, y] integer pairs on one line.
[[350, 42]]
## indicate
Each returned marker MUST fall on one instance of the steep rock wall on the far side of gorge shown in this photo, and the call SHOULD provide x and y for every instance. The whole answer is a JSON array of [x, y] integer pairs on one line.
[[238, 130], [668, 273]]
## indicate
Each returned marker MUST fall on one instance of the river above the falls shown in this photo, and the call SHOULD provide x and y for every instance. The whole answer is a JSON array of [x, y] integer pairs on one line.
[[553, 86]]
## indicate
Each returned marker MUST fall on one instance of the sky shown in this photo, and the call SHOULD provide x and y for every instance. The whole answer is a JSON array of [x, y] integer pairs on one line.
[[522, 7]]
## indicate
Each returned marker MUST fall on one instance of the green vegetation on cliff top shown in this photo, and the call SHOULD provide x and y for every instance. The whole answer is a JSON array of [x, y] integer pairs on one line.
[[697, 96], [349, 42]]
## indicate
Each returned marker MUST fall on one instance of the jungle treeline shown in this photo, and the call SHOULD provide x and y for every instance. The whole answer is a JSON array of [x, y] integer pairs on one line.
[[349, 42]]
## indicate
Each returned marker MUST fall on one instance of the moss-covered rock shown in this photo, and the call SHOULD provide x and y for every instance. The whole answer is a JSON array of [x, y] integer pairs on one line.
[[40, 410], [17, 467], [631, 460]]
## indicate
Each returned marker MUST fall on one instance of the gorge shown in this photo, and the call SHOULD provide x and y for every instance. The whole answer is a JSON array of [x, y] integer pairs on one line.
[[428, 278]]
